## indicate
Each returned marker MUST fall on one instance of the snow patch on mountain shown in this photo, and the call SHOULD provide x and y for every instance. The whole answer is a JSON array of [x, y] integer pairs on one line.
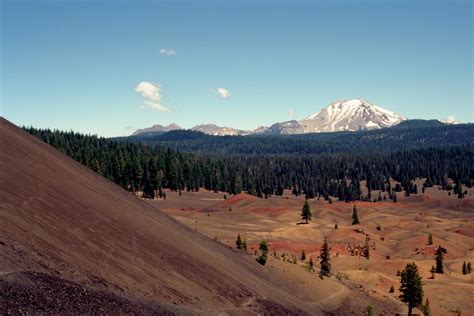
[[350, 115]]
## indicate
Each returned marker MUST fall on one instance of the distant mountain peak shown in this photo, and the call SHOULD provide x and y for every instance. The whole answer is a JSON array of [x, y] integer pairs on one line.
[[158, 128], [350, 115], [213, 129]]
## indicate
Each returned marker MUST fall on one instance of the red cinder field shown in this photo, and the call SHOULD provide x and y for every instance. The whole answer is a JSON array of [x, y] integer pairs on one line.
[[398, 235]]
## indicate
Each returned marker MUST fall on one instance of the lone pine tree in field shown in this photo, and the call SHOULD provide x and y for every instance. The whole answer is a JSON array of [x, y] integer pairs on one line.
[[238, 242], [325, 259], [430, 239], [439, 259], [303, 256], [355, 216], [310, 264], [464, 268], [369, 310], [367, 247], [469, 268], [306, 212], [425, 308], [433, 271], [411, 288], [262, 259]]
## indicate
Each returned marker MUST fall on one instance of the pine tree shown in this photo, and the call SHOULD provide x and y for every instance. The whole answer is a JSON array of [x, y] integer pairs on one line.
[[425, 308], [306, 212], [244, 245], [439, 259], [262, 259], [392, 289], [325, 259], [411, 288], [310, 264], [464, 268], [370, 310], [433, 271], [303, 256], [355, 216], [367, 247], [468, 267], [430, 239], [238, 242]]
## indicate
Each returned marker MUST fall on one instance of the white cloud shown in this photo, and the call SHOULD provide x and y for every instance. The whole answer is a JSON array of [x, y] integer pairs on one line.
[[154, 106], [291, 113], [223, 93], [151, 92], [168, 52]]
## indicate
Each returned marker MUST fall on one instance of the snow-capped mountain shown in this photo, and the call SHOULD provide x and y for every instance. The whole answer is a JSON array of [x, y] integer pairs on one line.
[[158, 128], [350, 115], [346, 115], [212, 129]]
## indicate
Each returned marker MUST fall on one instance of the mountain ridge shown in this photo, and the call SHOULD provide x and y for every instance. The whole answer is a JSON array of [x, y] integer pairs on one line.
[[342, 115]]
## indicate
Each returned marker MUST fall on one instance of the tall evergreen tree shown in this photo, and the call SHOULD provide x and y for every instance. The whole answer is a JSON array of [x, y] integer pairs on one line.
[[468, 267], [411, 287], [367, 247], [325, 256], [430, 239], [355, 216], [306, 212], [439, 259]]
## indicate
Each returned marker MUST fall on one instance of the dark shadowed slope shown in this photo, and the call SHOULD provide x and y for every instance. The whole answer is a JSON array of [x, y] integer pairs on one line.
[[69, 238]]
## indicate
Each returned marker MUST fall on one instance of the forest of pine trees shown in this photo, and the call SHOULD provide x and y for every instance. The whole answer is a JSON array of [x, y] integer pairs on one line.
[[151, 168]]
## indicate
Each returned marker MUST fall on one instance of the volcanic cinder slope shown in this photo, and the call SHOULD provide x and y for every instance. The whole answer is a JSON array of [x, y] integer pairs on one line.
[[71, 241]]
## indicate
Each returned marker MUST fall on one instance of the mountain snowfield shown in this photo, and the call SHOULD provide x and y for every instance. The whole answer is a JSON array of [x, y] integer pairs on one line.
[[350, 115], [344, 115]]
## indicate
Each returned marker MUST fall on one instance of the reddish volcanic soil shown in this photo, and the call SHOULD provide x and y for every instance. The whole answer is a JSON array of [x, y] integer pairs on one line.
[[398, 235]]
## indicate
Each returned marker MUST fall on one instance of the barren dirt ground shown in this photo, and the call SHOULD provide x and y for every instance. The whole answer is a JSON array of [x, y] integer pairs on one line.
[[398, 234]]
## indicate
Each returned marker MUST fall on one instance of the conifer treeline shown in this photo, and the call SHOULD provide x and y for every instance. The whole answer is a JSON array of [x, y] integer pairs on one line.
[[151, 168]]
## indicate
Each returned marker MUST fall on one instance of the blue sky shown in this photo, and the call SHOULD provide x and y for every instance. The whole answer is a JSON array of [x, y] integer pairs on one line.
[[109, 67]]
